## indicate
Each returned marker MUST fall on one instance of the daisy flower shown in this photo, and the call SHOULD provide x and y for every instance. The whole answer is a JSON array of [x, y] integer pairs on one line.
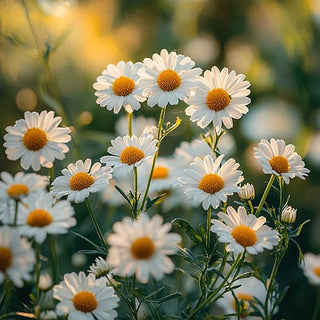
[[280, 159], [168, 78], [250, 289], [37, 140], [100, 267], [207, 182], [311, 268], [138, 125], [17, 258], [118, 87], [85, 297], [80, 179], [244, 231], [130, 151], [39, 216], [142, 247], [219, 97]]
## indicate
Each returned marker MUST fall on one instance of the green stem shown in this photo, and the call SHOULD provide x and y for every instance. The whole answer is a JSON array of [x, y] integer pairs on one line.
[[251, 206], [208, 229], [54, 258], [51, 175], [130, 116], [280, 180], [95, 223], [16, 213], [37, 270], [136, 211], [161, 119], [317, 306], [6, 295], [265, 194]]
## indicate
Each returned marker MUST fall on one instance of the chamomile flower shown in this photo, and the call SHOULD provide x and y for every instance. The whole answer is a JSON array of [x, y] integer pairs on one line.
[[207, 182], [168, 78], [118, 87], [142, 247], [17, 258], [130, 151], [39, 216], [311, 268], [100, 267], [85, 297], [80, 179], [280, 159], [219, 97], [244, 231], [37, 140]]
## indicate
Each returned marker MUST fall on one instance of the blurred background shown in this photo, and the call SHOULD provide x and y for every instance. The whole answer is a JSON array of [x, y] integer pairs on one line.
[[52, 51]]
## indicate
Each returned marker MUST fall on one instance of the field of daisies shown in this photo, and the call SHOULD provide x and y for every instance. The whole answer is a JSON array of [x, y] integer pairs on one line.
[[157, 214]]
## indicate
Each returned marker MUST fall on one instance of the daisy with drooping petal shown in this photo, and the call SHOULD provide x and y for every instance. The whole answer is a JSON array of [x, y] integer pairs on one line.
[[85, 297], [280, 159], [244, 231], [207, 182], [80, 179], [168, 78], [130, 151], [219, 97], [17, 258], [37, 140], [311, 268], [118, 87], [142, 247], [39, 216]]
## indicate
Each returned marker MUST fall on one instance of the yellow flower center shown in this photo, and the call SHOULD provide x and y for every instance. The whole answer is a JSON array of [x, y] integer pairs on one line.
[[279, 164], [17, 190], [39, 218], [244, 305], [5, 258], [211, 183], [317, 271], [142, 248], [244, 235], [85, 301], [35, 139], [123, 86], [80, 181], [131, 155], [168, 80], [217, 99], [160, 173]]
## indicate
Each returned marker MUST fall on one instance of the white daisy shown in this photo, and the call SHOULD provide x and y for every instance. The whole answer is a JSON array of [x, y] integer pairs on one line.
[[130, 151], [141, 247], [244, 231], [37, 140], [280, 159], [85, 297], [39, 216], [250, 288], [138, 125], [219, 97], [168, 78], [17, 259], [207, 182], [80, 179], [311, 268], [100, 267], [119, 86]]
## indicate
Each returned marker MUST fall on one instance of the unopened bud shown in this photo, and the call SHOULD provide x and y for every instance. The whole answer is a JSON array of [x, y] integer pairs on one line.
[[247, 192], [288, 214]]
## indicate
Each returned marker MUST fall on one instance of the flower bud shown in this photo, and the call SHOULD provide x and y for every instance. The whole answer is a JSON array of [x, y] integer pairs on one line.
[[247, 192], [288, 214]]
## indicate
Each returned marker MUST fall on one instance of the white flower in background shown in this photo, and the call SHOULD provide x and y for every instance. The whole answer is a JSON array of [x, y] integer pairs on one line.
[[280, 159], [37, 140], [244, 231], [288, 214], [80, 179], [138, 125], [118, 87], [250, 288], [48, 315], [247, 192], [39, 216], [78, 259], [311, 268], [207, 182], [130, 151], [85, 297], [219, 97], [45, 282], [168, 78], [17, 258], [100, 267], [142, 247]]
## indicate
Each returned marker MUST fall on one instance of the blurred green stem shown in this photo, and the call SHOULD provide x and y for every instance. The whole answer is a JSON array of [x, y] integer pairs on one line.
[[130, 117], [317, 306], [136, 200], [208, 229], [54, 258], [37, 270], [16, 213], [265, 194]]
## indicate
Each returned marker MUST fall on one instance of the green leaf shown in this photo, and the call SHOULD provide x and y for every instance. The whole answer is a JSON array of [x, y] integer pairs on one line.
[[123, 194], [155, 201], [296, 232], [188, 229], [170, 296]]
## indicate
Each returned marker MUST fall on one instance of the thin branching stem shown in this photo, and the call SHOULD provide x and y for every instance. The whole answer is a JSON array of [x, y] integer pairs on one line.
[[264, 196]]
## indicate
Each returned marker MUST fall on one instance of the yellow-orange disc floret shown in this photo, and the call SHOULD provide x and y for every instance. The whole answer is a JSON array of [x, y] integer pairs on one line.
[[244, 235], [217, 99], [142, 248], [168, 80], [5, 258], [131, 155], [85, 301], [39, 218], [80, 181], [279, 164], [123, 86], [35, 139], [211, 183]]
